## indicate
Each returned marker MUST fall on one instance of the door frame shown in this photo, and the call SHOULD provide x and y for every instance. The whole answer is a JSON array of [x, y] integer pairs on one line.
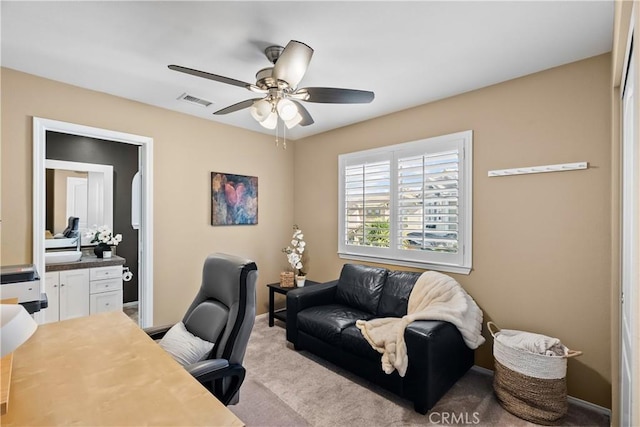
[[629, 236], [145, 144]]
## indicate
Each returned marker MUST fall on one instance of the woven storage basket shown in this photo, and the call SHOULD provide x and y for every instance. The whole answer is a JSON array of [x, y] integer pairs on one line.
[[529, 385], [286, 279]]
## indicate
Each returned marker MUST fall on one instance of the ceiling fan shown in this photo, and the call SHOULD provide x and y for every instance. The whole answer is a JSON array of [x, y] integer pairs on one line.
[[279, 85]]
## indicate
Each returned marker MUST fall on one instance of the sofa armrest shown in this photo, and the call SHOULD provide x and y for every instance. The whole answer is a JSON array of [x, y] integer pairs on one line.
[[301, 298], [438, 357]]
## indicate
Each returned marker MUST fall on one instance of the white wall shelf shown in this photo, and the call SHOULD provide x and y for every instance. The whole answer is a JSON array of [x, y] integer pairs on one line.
[[539, 169]]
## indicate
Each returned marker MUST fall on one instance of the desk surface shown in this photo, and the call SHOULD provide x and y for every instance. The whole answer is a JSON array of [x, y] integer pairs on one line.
[[104, 370]]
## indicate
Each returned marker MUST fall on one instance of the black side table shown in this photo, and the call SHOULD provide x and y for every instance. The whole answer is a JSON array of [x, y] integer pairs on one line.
[[276, 288]]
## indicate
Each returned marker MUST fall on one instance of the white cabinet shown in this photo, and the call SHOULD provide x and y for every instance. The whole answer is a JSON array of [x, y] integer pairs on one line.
[[52, 288], [68, 294], [81, 292], [105, 289], [74, 289]]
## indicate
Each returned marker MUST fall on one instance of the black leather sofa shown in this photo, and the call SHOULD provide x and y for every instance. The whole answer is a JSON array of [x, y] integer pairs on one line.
[[321, 319]]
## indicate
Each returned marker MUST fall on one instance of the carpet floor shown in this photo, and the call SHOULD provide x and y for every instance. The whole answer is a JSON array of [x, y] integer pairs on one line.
[[284, 387]]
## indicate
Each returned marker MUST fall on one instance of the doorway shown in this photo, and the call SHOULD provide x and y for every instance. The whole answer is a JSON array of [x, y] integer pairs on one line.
[[630, 251], [144, 145]]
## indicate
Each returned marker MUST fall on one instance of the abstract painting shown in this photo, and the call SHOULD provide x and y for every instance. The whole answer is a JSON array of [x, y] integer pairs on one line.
[[234, 199]]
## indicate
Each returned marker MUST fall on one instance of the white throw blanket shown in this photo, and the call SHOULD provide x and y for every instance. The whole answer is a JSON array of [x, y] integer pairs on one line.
[[534, 343], [435, 296]]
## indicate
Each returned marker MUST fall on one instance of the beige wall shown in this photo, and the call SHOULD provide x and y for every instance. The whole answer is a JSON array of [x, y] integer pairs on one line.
[[541, 243], [186, 150]]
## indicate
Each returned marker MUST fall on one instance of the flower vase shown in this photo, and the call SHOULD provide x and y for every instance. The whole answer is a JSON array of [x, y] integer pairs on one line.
[[300, 280], [100, 249]]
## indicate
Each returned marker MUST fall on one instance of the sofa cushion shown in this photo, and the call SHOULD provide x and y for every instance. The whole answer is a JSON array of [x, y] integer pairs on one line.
[[360, 286], [326, 322], [395, 294], [355, 343]]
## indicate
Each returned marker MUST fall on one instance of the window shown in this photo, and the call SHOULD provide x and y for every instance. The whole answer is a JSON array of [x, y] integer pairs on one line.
[[409, 204]]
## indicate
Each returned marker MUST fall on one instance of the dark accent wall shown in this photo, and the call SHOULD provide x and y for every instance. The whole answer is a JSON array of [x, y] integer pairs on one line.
[[124, 159], [49, 182]]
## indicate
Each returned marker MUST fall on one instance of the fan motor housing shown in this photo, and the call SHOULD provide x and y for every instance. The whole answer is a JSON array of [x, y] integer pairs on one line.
[[264, 80]]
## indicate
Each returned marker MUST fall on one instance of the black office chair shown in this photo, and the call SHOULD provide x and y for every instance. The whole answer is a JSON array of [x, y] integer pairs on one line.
[[72, 227], [223, 312]]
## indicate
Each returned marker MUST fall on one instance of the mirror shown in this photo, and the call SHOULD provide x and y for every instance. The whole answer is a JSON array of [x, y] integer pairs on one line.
[[83, 190]]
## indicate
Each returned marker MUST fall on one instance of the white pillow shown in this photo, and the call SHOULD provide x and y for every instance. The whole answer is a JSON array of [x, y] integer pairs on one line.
[[183, 346]]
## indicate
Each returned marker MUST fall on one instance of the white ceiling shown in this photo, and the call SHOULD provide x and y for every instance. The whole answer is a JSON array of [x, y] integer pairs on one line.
[[408, 53]]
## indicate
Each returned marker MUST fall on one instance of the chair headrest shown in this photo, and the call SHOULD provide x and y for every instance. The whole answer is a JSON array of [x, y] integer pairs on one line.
[[223, 275]]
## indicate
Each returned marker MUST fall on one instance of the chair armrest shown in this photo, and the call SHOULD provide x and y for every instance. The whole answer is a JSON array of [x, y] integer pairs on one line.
[[211, 374], [308, 296], [205, 367], [157, 332]]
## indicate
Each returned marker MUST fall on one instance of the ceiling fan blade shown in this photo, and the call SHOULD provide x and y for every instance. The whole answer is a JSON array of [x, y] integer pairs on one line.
[[215, 77], [239, 106], [292, 63], [332, 95], [306, 117]]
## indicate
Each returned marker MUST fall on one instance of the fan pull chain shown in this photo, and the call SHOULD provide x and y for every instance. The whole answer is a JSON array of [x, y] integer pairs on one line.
[[284, 135]]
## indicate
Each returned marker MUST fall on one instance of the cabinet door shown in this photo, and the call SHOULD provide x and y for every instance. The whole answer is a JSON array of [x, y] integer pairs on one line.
[[74, 294], [106, 301], [52, 289]]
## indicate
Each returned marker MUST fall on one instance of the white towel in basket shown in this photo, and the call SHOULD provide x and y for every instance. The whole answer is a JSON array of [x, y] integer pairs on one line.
[[534, 343]]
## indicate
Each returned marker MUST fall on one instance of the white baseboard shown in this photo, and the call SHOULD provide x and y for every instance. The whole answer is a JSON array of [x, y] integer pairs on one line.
[[481, 370], [573, 400], [589, 405]]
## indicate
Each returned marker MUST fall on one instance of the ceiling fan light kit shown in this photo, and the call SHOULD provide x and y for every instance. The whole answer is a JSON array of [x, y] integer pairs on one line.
[[270, 122], [287, 110], [260, 110], [279, 84]]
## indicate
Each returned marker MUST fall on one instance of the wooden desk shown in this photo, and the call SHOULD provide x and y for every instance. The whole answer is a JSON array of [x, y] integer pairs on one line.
[[104, 370], [6, 364]]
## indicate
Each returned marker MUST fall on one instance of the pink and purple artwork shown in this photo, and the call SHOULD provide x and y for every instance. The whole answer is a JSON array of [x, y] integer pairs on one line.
[[234, 199]]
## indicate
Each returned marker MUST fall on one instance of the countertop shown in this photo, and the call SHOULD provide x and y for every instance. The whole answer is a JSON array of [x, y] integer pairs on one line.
[[87, 261]]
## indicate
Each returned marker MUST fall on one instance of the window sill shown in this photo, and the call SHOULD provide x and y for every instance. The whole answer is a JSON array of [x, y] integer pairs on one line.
[[425, 265]]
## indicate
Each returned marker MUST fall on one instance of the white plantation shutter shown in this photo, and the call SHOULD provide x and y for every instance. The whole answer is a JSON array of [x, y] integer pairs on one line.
[[367, 203], [409, 204], [428, 202]]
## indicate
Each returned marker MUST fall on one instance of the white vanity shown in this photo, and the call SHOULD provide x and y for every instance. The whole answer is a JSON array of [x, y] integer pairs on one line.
[[82, 288]]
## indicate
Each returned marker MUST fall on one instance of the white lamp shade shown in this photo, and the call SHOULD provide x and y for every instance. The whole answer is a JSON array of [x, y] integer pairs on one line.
[[261, 110], [270, 122], [16, 327], [293, 122], [287, 110]]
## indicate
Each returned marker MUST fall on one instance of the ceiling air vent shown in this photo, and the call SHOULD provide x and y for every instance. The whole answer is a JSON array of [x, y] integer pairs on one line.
[[194, 100]]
